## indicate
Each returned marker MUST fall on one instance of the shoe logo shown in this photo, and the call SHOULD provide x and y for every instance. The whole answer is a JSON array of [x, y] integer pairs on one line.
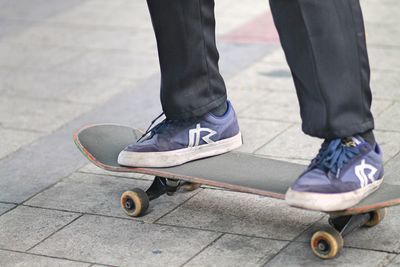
[[194, 135], [361, 174]]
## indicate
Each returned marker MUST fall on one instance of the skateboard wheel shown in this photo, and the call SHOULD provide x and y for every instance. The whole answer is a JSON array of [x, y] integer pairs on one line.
[[326, 243], [135, 202], [190, 186], [376, 217]]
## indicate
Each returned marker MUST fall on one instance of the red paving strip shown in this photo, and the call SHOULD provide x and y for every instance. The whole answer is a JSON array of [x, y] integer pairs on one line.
[[261, 29]]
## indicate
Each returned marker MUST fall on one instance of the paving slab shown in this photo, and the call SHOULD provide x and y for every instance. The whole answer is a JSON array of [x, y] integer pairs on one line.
[[125, 242], [392, 170], [389, 119], [37, 115], [11, 140], [4, 207], [300, 254], [233, 250], [12, 259], [239, 213], [232, 14], [53, 86], [94, 63], [382, 34], [389, 142], [384, 58], [386, 9], [24, 227], [45, 33], [385, 84], [383, 237], [242, 97], [97, 194], [91, 168], [279, 106], [265, 76], [292, 143], [256, 132], [35, 57], [395, 262]]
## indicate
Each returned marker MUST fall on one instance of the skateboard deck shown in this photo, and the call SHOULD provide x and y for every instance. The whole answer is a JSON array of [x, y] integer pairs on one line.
[[236, 171]]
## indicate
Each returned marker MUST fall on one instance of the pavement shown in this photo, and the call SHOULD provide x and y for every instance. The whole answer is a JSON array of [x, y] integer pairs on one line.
[[64, 64]]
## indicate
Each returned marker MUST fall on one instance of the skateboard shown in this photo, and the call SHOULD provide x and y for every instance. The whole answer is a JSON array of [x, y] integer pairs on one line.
[[235, 171]]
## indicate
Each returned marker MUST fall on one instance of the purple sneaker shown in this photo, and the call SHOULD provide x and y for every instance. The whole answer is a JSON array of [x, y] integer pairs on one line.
[[174, 142], [344, 172]]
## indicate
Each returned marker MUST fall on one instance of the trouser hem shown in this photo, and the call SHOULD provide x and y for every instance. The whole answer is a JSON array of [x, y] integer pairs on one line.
[[339, 133], [196, 112]]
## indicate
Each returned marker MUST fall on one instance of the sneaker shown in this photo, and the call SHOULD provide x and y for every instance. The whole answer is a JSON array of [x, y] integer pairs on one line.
[[344, 172], [174, 142]]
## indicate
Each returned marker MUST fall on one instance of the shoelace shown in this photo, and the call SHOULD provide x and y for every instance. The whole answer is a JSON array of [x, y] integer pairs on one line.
[[152, 129], [333, 155], [160, 126]]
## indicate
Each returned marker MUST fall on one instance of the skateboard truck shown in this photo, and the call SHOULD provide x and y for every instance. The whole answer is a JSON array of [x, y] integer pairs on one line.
[[328, 242]]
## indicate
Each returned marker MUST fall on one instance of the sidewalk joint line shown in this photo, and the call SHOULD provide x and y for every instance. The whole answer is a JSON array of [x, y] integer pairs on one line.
[[52, 234], [53, 257], [203, 249]]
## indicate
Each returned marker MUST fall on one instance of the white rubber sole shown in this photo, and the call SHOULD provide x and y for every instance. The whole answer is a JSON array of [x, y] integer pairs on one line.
[[180, 156], [330, 202]]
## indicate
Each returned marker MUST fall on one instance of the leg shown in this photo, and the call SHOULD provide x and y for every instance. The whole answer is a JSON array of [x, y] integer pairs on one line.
[[324, 43], [191, 84], [199, 121]]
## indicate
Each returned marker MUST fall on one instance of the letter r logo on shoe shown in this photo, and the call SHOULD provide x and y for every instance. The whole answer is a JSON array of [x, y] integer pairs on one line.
[[194, 136], [361, 174]]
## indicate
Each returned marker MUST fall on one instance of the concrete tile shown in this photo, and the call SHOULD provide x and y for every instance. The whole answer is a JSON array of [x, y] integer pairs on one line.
[[24, 227], [52, 86], [279, 106], [11, 140], [233, 250], [382, 34], [243, 97], [115, 63], [392, 170], [12, 259], [93, 169], [379, 106], [258, 132], [385, 84], [277, 59], [292, 143], [300, 254], [386, 9], [383, 237], [264, 76], [232, 14], [35, 57], [43, 116], [240, 213], [395, 262], [384, 58], [389, 142], [89, 12], [125, 242], [389, 119], [96, 194], [78, 36], [5, 207]]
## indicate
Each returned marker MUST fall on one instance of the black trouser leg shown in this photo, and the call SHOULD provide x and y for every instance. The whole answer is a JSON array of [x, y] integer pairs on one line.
[[191, 84], [324, 44]]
